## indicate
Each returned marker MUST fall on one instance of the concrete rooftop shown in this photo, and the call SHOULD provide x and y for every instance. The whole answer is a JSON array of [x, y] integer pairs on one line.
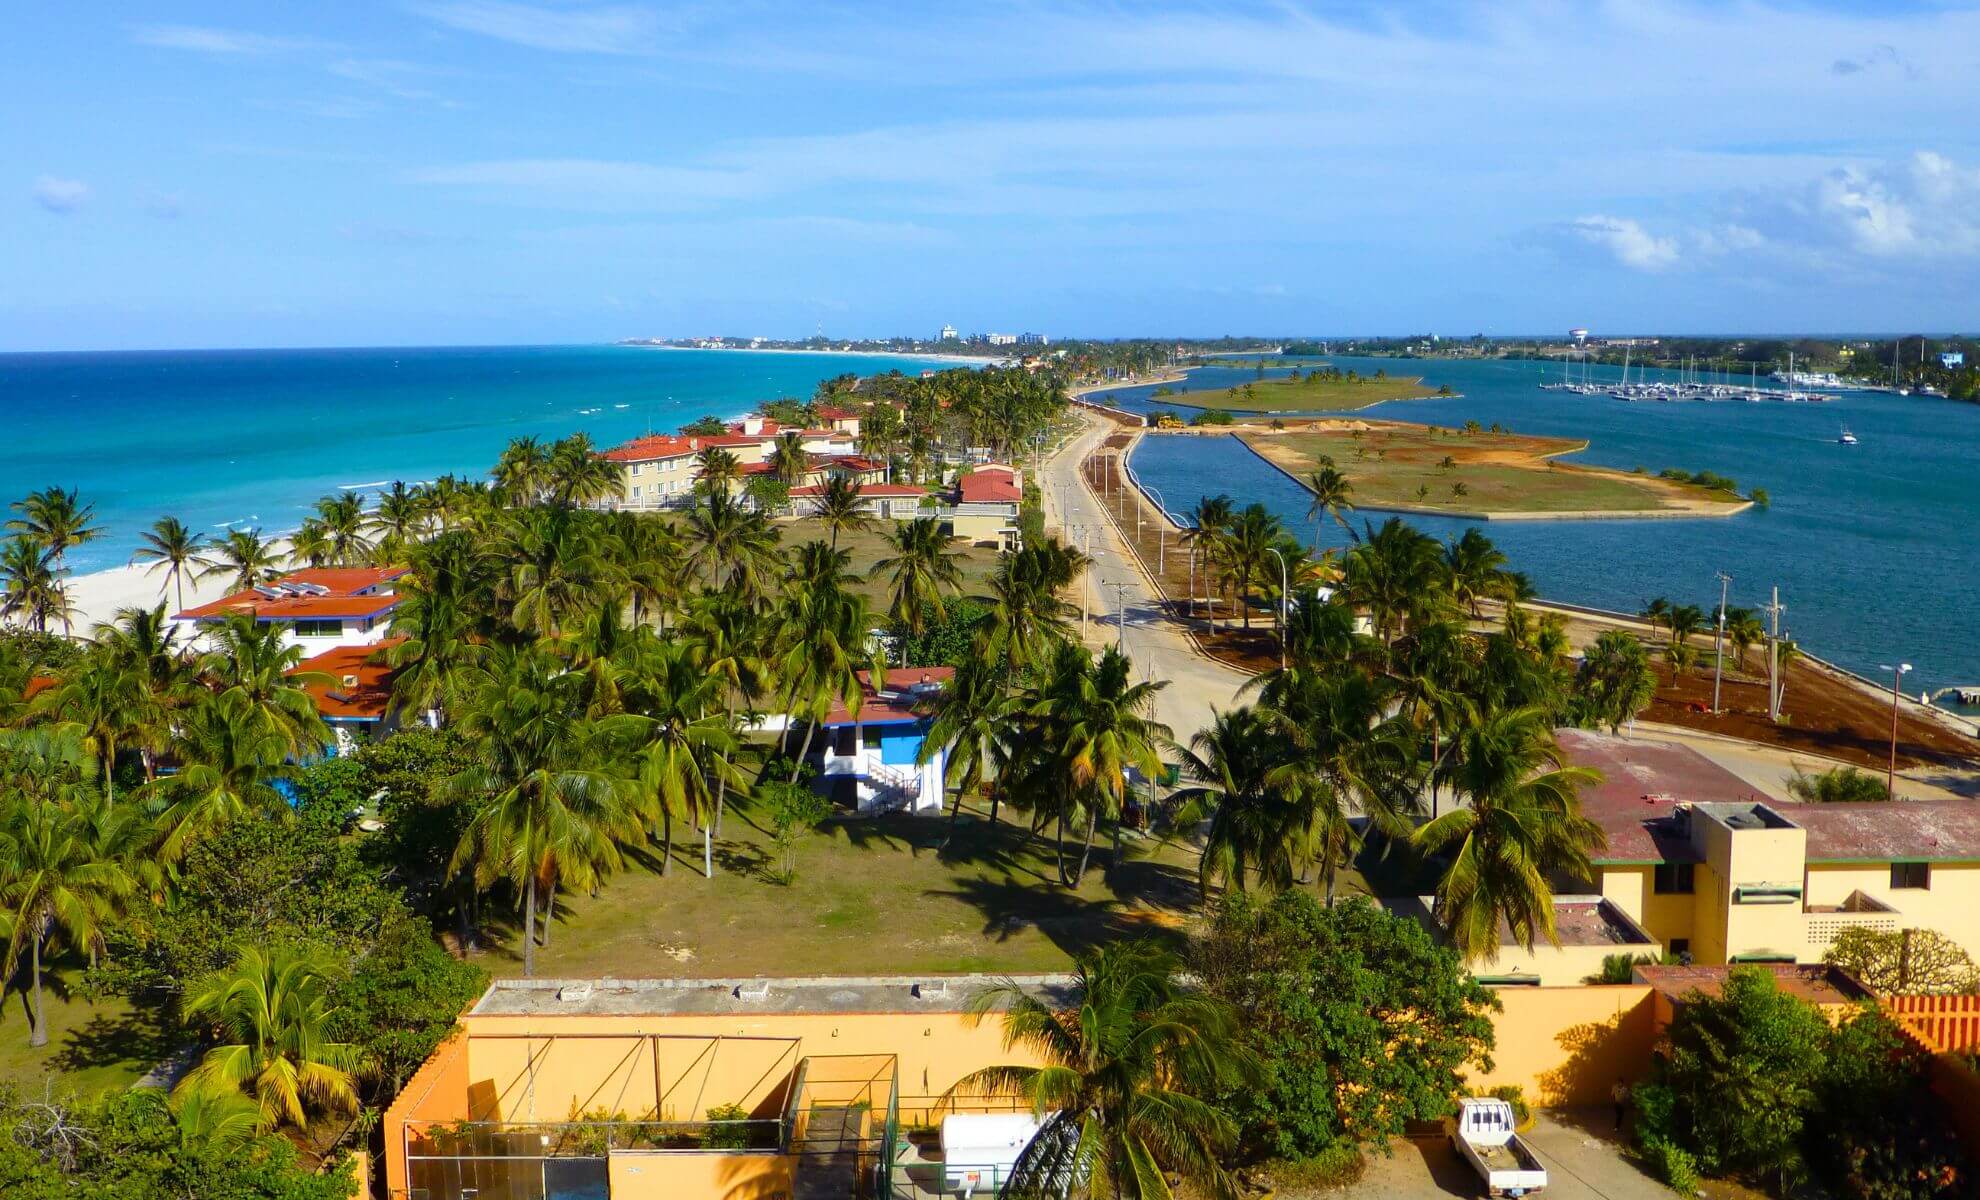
[[740, 997]]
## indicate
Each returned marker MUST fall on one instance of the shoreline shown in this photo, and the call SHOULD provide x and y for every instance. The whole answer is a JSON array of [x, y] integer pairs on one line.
[[966, 359]]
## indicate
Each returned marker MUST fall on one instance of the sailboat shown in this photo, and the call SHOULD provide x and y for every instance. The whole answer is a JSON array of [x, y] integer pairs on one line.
[[1846, 438]]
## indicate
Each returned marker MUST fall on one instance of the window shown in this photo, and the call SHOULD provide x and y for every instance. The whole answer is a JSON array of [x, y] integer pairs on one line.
[[637, 468], [1673, 879], [635, 491], [870, 735], [1681, 949], [1911, 875], [318, 628]]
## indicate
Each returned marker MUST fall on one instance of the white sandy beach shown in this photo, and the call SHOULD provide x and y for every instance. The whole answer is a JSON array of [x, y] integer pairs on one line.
[[97, 595]]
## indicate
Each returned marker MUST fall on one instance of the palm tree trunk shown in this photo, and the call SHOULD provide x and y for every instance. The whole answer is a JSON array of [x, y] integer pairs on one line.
[[1059, 850], [1086, 851], [707, 852], [38, 1035], [549, 912], [804, 751], [529, 926], [666, 841]]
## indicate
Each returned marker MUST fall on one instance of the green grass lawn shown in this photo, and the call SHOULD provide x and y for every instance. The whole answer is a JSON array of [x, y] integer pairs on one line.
[[871, 896], [91, 1046], [1309, 394], [1500, 472], [869, 545]]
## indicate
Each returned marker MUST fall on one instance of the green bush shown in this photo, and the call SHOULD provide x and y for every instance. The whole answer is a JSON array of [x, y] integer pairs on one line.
[[1211, 416], [727, 1137], [1671, 1164], [1514, 1095], [1337, 1166]]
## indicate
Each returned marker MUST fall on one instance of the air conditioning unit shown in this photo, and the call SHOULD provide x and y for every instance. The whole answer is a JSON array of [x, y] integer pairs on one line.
[[931, 989], [574, 993], [755, 989]]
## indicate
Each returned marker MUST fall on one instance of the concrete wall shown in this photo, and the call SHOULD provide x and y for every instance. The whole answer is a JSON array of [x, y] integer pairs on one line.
[[680, 1077], [1567, 1046], [1753, 857], [1951, 905], [1556, 966], [1663, 917], [437, 1092]]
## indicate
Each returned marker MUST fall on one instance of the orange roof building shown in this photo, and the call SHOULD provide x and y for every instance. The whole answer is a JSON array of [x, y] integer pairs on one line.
[[317, 608]]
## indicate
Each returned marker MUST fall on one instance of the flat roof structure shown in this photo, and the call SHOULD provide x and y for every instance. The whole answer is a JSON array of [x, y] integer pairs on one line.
[[755, 996], [1817, 983], [894, 700], [315, 594]]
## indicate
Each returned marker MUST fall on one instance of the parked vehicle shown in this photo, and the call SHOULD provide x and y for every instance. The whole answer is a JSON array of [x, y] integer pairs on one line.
[[1482, 1133]]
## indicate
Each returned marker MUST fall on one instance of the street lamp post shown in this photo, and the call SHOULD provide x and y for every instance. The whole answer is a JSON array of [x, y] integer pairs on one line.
[[1282, 605], [1120, 617], [1897, 685], [1719, 643]]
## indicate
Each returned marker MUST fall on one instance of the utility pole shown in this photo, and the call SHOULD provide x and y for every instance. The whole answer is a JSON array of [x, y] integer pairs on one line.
[[1282, 606], [1719, 643], [1774, 610], [1120, 617]]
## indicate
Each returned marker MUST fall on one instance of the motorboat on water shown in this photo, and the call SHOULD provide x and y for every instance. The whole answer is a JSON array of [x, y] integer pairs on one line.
[[1846, 438]]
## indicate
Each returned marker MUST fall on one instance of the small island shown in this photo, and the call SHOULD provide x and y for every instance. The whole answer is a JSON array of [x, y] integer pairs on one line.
[[1319, 390], [1475, 473]]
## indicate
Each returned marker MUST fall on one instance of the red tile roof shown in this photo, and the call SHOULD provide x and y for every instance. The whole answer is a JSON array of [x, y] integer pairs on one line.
[[831, 412], [653, 446], [851, 462], [989, 485], [320, 593], [896, 699], [867, 490], [360, 688]]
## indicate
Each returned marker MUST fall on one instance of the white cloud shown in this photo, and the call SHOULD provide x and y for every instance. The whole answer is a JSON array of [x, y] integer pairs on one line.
[[1924, 206], [613, 29], [1625, 240], [60, 195], [207, 40]]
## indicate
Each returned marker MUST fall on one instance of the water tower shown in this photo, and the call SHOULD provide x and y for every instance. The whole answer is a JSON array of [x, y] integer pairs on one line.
[[1580, 336]]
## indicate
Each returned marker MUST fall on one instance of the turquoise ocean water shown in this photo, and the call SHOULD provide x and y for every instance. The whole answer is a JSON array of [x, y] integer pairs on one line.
[[1875, 547], [225, 438]]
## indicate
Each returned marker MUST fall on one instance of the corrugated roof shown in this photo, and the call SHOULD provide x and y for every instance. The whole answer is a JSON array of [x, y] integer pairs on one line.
[[895, 700]]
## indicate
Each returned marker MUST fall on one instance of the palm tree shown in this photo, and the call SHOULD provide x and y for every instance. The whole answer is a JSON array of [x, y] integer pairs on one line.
[[343, 520], [1616, 680], [716, 471], [789, 461], [972, 719], [1523, 827], [522, 473], [726, 635], [34, 592], [1247, 550], [450, 581], [1208, 523], [1131, 1067], [731, 544], [824, 628], [1089, 723], [232, 761], [578, 476], [555, 568], [57, 880], [840, 507], [398, 520], [252, 666], [1256, 831], [59, 521], [1475, 569], [272, 1008], [921, 568], [1332, 497], [679, 739], [244, 556], [178, 551], [145, 643], [1655, 611], [1027, 615], [1395, 575], [1683, 621], [103, 702], [546, 815], [1744, 631]]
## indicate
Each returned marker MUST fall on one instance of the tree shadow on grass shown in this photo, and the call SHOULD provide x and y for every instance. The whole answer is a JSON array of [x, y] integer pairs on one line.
[[137, 1037], [1071, 922]]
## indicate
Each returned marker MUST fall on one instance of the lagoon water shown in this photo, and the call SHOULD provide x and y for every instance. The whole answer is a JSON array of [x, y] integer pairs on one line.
[[224, 438], [1875, 547]]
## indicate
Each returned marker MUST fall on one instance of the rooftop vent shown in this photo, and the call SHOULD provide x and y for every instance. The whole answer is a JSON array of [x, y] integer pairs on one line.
[[755, 989], [931, 989], [574, 993]]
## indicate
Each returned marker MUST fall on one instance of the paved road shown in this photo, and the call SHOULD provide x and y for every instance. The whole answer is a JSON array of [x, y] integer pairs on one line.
[[1581, 1152], [1117, 585]]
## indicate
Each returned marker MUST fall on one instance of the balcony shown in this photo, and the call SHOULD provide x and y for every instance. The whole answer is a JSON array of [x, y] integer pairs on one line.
[[1824, 922]]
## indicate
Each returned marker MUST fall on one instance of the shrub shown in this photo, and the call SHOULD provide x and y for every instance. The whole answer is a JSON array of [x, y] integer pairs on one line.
[[727, 1137], [1514, 1095], [1674, 1166], [1337, 1166], [1211, 416]]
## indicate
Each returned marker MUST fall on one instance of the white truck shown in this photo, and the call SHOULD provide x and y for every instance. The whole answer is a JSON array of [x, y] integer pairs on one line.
[[1482, 1133]]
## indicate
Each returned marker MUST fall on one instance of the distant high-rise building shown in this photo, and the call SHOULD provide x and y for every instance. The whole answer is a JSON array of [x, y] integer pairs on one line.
[[1001, 339], [1033, 339], [949, 333]]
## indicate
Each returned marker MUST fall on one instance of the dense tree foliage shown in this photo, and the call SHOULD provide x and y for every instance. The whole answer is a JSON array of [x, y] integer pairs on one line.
[[1359, 1021]]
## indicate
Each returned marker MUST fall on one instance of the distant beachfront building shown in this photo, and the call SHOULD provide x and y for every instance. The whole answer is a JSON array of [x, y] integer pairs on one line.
[[660, 470], [1001, 339], [948, 334], [1033, 339], [1952, 358], [316, 609]]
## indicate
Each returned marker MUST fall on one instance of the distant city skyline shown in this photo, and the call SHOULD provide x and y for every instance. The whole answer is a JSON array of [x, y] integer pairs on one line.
[[488, 171]]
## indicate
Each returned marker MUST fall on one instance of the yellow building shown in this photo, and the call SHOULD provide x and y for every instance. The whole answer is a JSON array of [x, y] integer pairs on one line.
[[651, 1089], [1710, 869]]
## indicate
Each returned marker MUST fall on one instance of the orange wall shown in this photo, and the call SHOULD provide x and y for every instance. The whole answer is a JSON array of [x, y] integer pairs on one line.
[[664, 1175], [1568, 1045], [436, 1092]]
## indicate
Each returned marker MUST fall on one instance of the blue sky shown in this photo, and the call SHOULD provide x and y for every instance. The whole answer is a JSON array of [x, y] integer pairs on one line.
[[470, 171]]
